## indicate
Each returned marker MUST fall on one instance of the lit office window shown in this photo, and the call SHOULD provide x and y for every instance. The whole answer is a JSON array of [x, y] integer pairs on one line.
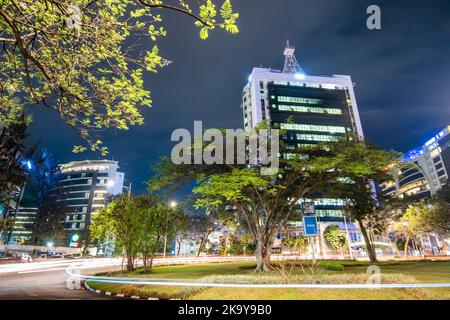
[[299, 100], [316, 137], [329, 213], [312, 127], [306, 109]]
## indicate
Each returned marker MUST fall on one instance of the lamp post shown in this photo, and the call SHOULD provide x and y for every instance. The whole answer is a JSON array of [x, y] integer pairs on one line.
[[111, 184], [172, 204]]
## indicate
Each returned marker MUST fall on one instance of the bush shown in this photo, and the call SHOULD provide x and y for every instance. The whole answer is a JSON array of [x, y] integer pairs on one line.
[[335, 237], [334, 266]]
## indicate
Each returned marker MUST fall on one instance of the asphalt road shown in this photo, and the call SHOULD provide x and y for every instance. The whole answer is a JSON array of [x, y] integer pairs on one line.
[[48, 279], [41, 281]]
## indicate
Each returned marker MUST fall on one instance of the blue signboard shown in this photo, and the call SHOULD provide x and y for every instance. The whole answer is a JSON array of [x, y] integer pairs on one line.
[[310, 226]]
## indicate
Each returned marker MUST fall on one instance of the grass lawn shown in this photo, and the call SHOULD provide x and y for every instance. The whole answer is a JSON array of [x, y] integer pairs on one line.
[[394, 271]]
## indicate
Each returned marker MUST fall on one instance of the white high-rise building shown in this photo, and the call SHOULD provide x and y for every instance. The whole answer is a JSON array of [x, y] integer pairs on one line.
[[322, 100], [86, 186], [310, 109]]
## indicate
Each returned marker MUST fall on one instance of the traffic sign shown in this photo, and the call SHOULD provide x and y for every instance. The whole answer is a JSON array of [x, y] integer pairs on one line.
[[310, 226], [308, 208]]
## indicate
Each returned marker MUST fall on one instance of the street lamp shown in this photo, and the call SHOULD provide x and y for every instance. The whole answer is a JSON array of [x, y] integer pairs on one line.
[[173, 205], [111, 183]]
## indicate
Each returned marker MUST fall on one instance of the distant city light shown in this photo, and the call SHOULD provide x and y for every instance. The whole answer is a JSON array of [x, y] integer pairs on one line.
[[300, 76], [27, 164]]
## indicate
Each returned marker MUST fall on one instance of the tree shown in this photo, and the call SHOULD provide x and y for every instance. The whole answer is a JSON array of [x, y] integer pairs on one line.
[[12, 152], [335, 237], [359, 164], [137, 225], [413, 223], [85, 59], [267, 202], [439, 214], [13, 171], [300, 243], [6, 225], [157, 221], [43, 189], [119, 221]]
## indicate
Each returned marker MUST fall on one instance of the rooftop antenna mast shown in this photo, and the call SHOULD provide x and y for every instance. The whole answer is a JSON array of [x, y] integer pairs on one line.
[[291, 64]]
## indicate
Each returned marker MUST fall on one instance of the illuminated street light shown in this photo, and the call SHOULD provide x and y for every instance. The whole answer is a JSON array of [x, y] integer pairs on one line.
[[111, 184], [172, 204], [49, 244]]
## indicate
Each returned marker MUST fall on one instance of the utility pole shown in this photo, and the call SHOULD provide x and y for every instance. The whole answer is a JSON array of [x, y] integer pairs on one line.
[[172, 204]]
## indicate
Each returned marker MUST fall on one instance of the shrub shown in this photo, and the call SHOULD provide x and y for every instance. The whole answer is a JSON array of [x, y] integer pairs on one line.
[[334, 266], [335, 237]]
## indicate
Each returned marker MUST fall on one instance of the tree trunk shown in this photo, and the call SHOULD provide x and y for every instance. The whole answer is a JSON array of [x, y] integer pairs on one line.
[[179, 247], [150, 266], [130, 263], [144, 262], [201, 246], [263, 252], [369, 247], [406, 246]]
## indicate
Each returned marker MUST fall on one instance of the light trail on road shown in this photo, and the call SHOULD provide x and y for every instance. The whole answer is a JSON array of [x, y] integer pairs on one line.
[[178, 283]]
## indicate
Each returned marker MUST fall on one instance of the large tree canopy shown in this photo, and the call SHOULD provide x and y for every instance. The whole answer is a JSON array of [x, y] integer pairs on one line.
[[85, 58], [268, 202]]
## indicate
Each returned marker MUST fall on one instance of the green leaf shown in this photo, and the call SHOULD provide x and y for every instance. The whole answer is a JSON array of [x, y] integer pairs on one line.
[[226, 10], [204, 33]]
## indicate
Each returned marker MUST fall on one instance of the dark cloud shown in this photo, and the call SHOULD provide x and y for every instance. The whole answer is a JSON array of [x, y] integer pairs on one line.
[[401, 73]]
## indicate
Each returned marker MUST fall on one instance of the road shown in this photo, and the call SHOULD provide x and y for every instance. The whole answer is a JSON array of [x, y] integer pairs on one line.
[[43, 281], [47, 279]]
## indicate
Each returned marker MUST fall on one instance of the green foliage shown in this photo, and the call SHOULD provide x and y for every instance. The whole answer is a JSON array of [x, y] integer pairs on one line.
[[12, 152], [415, 221], [86, 59], [300, 244], [235, 245], [335, 237], [358, 164], [333, 266], [136, 225]]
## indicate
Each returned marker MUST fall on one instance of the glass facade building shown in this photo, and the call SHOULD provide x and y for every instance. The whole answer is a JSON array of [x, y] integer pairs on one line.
[[426, 168], [310, 109], [87, 185]]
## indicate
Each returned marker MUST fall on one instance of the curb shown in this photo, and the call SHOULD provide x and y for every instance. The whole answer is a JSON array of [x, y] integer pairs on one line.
[[119, 295]]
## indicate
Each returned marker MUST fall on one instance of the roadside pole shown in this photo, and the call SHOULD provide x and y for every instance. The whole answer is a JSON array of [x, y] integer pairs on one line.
[[310, 228]]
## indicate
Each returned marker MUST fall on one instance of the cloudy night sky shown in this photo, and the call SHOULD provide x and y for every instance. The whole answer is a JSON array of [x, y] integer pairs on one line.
[[402, 74]]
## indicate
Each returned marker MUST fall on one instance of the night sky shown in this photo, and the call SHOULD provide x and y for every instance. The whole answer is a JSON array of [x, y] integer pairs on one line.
[[402, 74]]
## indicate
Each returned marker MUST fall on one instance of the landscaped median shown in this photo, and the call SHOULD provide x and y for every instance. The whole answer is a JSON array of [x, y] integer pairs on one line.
[[295, 272]]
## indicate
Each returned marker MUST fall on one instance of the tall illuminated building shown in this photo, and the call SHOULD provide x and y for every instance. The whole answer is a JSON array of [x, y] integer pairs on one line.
[[319, 109], [87, 185], [426, 168]]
